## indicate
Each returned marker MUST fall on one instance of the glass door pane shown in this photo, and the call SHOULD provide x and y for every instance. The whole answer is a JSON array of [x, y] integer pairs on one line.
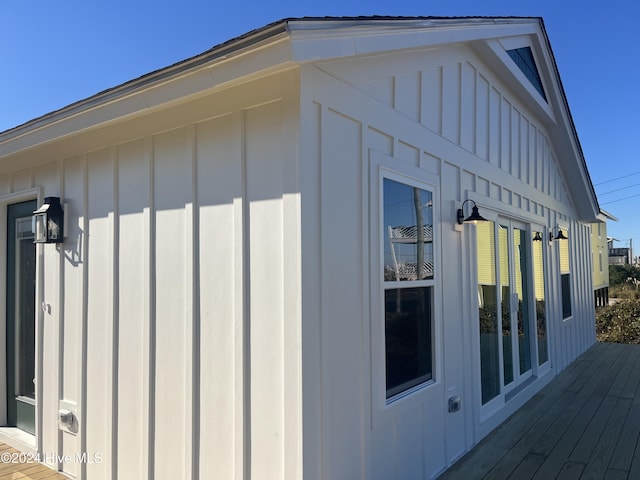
[[488, 311], [506, 291], [538, 292], [520, 240], [25, 304], [505, 288]]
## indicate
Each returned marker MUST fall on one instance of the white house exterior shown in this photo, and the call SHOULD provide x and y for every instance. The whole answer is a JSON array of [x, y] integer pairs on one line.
[[225, 304]]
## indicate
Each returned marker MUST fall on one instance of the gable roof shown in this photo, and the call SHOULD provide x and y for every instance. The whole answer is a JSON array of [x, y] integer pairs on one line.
[[313, 39]]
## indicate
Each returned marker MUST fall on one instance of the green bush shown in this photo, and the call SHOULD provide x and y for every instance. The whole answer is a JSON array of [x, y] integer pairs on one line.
[[619, 323], [618, 274]]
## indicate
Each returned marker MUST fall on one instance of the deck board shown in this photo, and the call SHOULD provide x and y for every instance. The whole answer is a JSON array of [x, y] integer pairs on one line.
[[585, 424], [26, 470]]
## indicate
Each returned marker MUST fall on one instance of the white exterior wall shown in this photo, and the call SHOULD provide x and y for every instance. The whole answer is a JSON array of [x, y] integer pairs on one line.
[[215, 311], [442, 113], [173, 321]]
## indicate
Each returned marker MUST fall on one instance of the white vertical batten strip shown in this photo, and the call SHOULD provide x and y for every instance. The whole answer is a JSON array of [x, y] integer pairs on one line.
[[82, 407], [191, 318], [292, 281], [365, 320], [195, 342], [458, 133], [321, 126], [39, 328], [149, 320], [238, 304], [61, 314], [115, 306], [310, 291], [325, 432], [243, 286]]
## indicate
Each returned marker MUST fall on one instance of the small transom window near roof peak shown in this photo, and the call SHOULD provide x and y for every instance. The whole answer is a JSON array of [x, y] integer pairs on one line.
[[523, 57]]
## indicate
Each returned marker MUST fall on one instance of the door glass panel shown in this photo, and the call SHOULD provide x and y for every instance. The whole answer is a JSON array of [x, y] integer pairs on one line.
[[25, 303], [507, 340], [521, 277], [488, 311], [20, 315], [541, 312]]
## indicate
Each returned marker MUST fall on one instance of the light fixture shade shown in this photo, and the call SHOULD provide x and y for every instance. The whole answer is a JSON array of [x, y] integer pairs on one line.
[[558, 236], [48, 222], [473, 218], [537, 237]]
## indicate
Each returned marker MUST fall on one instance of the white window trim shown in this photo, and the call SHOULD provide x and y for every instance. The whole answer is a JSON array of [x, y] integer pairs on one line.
[[381, 167]]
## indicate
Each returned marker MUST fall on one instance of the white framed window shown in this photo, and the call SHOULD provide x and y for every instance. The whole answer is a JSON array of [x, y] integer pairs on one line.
[[408, 274], [600, 261]]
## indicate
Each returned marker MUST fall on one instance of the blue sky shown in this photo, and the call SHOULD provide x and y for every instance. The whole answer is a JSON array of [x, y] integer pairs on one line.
[[54, 53]]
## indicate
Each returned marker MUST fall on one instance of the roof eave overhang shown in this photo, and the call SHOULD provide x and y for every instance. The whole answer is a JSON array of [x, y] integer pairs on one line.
[[603, 216], [295, 41], [576, 172], [268, 49], [554, 113], [317, 41], [314, 39]]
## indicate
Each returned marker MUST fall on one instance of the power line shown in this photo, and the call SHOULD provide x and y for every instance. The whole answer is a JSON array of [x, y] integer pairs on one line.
[[618, 189], [617, 178], [621, 199]]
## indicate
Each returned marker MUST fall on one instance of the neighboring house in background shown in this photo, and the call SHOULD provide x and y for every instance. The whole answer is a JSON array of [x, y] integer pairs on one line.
[[620, 255], [600, 258], [264, 274]]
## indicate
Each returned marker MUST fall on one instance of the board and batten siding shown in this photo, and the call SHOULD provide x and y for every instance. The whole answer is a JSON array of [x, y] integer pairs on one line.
[[173, 316], [450, 92], [441, 111], [214, 310]]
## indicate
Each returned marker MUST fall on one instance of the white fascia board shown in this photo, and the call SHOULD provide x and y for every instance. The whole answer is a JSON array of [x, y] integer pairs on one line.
[[554, 112], [603, 216], [160, 89], [586, 201], [309, 45]]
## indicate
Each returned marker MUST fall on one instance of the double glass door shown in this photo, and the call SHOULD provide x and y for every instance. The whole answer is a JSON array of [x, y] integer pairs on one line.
[[507, 299]]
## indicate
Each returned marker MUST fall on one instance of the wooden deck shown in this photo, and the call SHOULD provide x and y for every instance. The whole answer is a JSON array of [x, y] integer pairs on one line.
[[11, 468], [584, 425]]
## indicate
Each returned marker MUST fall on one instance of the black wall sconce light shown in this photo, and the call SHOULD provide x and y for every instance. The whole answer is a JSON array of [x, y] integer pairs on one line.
[[537, 237], [475, 214], [48, 222], [557, 236]]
